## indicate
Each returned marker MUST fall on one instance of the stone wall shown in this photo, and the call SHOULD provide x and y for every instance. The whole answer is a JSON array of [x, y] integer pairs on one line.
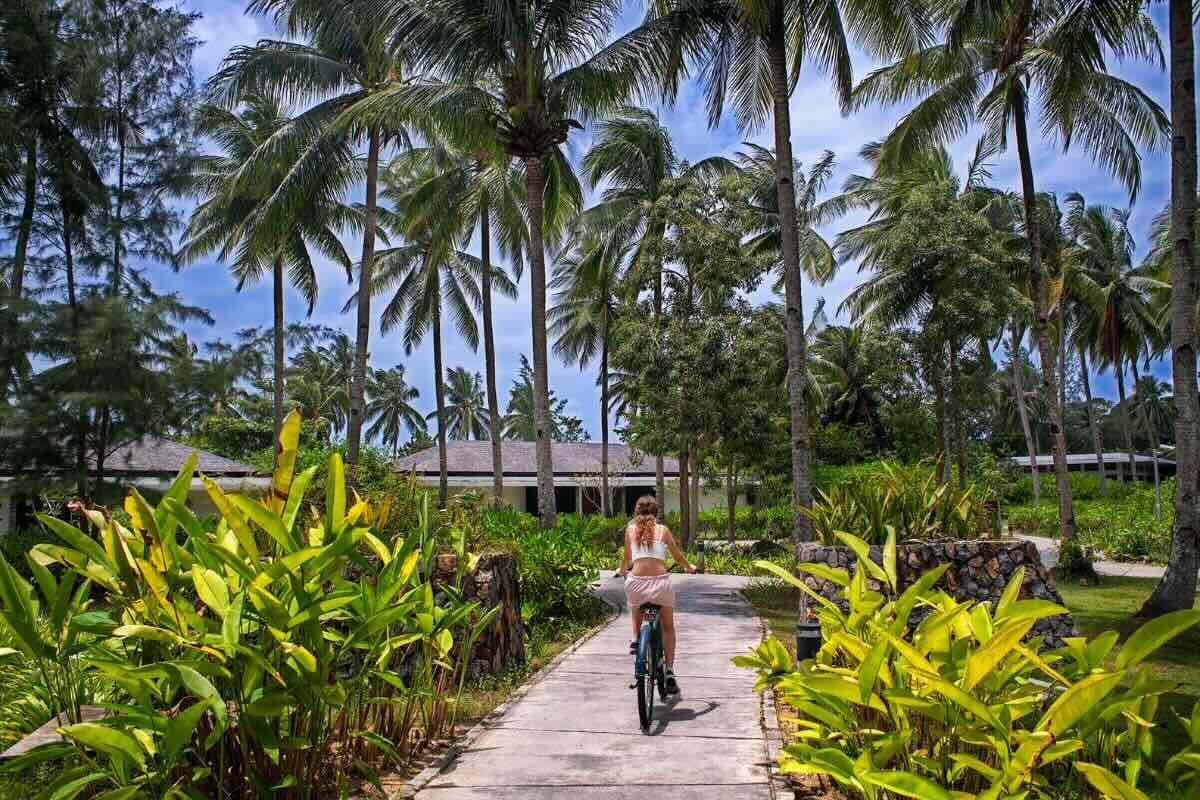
[[493, 582], [979, 571]]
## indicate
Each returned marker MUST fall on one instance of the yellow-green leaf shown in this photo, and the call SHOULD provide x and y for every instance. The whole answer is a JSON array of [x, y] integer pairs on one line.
[[1072, 704], [988, 657], [210, 587], [1107, 784], [1153, 635], [907, 784], [104, 739]]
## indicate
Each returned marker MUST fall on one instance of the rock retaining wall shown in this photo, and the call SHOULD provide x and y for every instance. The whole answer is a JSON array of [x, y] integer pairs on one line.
[[494, 582], [979, 571]]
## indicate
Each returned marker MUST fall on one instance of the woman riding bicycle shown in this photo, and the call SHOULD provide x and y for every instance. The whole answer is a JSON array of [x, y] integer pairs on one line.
[[646, 546]]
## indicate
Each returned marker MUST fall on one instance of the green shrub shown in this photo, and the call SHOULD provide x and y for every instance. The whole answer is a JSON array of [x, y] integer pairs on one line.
[[907, 500], [836, 443], [1084, 486], [955, 705], [243, 644], [1120, 528], [557, 565]]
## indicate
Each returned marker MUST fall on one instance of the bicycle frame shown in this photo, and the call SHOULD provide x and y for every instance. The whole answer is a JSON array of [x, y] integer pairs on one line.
[[649, 619]]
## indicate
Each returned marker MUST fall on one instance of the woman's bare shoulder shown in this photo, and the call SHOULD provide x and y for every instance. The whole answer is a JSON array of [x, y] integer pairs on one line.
[[664, 531]]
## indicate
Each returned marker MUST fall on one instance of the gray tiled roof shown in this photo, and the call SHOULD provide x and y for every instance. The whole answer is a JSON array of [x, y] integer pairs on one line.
[[153, 455], [519, 458]]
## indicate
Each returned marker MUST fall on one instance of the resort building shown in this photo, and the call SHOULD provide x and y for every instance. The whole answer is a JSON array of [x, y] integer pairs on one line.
[[576, 475]]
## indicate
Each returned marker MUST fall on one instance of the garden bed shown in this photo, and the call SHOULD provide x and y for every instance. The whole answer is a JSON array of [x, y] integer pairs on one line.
[[979, 570]]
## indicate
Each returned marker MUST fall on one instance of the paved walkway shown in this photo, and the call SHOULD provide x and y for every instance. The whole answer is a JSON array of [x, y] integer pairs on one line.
[[1048, 550], [575, 733]]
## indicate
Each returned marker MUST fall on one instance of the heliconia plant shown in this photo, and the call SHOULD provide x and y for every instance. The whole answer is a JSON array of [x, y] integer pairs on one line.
[[961, 705], [265, 656]]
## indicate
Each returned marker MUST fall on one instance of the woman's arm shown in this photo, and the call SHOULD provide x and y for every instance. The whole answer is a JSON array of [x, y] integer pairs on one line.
[[626, 557], [676, 553]]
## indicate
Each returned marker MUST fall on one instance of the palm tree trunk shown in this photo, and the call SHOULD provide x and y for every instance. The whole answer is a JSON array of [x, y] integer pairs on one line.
[[605, 499], [1177, 589], [535, 187], [731, 501], [81, 420], [694, 494], [277, 365], [939, 422], [1126, 428], [660, 479], [793, 293], [118, 219], [366, 273], [1018, 370], [1062, 357], [439, 394], [1097, 437], [1151, 438], [685, 516], [960, 438], [489, 355], [24, 228], [1041, 328]]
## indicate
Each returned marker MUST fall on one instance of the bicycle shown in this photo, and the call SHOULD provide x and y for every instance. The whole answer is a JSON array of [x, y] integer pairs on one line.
[[650, 666]]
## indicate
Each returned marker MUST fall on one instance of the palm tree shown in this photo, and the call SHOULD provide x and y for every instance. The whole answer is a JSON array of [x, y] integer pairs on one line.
[[817, 261], [587, 277], [391, 408], [430, 276], [756, 48], [632, 155], [487, 187], [466, 410], [841, 366], [1114, 313], [927, 289], [240, 216], [999, 58], [342, 61], [1147, 404], [1177, 589], [552, 65]]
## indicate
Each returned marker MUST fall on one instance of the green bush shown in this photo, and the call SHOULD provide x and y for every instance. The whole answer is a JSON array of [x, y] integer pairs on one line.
[[1121, 528], [1084, 486], [956, 705], [836, 443], [906, 500], [242, 644], [557, 565]]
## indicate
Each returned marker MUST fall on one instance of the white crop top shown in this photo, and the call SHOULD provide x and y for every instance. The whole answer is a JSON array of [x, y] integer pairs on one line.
[[656, 549]]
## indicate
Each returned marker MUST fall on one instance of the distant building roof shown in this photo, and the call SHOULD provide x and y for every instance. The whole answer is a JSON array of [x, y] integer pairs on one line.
[[520, 458], [1090, 458], [155, 456]]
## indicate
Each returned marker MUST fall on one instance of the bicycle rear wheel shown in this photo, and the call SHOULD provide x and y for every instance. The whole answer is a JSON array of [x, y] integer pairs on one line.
[[648, 661]]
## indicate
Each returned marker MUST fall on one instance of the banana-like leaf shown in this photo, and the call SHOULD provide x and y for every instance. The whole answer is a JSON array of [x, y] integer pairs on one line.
[[988, 657], [907, 784], [1153, 635], [1077, 701], [1109, 785], [285, 464], [105, 739]]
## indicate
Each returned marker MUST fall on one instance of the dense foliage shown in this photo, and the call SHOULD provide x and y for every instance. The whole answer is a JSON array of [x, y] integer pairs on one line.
[[915, 694], [240, 655]]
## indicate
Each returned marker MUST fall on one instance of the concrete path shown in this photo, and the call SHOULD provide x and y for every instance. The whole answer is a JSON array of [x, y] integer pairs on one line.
[[575, 733], [1048, 550]]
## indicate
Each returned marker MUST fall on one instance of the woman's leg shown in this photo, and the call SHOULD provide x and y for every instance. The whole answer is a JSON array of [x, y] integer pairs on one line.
[[666, 618], [636, 614]]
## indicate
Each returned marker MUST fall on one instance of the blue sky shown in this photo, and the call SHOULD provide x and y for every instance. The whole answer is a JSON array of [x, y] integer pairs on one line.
[[817, 125]]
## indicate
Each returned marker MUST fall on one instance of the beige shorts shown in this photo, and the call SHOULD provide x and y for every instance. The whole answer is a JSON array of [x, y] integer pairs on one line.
[[655, 589]]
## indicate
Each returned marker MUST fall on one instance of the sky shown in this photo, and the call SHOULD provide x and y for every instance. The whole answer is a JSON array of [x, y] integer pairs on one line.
[[817, 125]]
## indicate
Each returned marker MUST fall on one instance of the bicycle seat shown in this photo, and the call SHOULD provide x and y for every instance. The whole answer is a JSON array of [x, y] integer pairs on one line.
[[649, 607]]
